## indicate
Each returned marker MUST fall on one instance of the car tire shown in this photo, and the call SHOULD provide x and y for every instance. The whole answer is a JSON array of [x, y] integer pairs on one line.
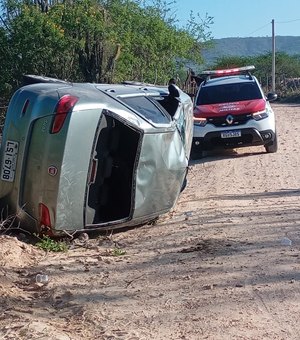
[[273, 146]]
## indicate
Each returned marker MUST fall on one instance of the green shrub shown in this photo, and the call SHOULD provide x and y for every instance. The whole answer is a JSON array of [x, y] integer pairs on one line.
[[48, 244]]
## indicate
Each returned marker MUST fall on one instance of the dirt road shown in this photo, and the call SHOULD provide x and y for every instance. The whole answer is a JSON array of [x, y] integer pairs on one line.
[[224, 264]]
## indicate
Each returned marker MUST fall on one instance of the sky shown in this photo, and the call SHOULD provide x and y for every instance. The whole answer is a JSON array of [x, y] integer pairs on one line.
[[244, 18]]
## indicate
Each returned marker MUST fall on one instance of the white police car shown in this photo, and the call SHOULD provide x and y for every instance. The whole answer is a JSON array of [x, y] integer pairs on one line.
[[232, 111]]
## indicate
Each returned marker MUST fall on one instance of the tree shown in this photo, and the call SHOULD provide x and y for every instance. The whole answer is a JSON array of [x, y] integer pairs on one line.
[[6, 65], [287, 67], [97, 40]]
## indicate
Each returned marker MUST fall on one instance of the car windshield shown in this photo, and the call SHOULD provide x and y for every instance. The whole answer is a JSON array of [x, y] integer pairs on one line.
[[228, 93]]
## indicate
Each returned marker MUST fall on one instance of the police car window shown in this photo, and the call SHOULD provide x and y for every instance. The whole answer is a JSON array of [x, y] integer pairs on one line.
[[228, 93], [145, 107]]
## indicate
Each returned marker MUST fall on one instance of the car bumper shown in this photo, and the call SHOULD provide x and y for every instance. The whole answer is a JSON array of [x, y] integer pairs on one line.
[[254, 132], [248, 137]]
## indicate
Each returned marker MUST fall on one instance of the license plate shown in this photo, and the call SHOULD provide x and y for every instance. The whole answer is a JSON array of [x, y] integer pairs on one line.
[[231, 134], [9, 161]]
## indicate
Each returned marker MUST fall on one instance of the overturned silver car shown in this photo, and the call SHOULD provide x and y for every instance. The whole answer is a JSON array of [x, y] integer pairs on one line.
[[80, 156]]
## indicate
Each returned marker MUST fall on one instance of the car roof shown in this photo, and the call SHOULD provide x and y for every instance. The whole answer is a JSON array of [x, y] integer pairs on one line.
[[229, 80], [132, 89], [126, 88]]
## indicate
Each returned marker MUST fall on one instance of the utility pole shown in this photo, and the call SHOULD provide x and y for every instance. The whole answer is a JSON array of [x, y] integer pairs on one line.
[[273, 56]]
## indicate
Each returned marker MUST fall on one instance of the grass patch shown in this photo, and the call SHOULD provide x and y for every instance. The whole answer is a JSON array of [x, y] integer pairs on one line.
[[48, 244], [118, 252]]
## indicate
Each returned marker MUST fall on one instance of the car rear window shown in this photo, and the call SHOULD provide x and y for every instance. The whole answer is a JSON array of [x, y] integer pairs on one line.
[[147, 108], [228, 93]]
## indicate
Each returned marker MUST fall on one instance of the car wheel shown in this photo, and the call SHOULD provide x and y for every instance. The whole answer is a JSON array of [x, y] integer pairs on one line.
[[273, 146]]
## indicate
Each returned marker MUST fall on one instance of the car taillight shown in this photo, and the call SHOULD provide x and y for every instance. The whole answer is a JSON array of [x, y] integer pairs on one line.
[[44, 213], [63, 107]]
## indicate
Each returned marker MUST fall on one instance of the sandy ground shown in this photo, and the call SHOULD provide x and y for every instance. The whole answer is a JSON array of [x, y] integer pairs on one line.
[[224, 264]]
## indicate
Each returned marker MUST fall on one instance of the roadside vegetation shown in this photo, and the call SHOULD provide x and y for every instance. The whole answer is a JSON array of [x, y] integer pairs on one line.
[[287, 82], [48, 244], [114, 40], [96, 41]]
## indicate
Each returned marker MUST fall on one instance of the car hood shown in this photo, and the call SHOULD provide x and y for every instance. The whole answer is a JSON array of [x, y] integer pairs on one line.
[[233, 108]]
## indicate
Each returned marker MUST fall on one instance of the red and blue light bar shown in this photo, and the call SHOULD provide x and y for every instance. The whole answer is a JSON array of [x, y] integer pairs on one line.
[[230, 71]]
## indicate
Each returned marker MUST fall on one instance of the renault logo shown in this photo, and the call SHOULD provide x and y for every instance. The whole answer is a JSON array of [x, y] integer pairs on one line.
[[229, 119]]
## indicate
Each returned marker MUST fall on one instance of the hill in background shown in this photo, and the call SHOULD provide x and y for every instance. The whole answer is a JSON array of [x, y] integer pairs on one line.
[[243, 47]]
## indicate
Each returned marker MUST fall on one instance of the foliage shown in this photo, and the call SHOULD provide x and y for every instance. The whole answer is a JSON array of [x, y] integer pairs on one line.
[[96, 40], [118, 252], [251, 46], [6, 62], [286, 67], [231, 62], [48, 244]]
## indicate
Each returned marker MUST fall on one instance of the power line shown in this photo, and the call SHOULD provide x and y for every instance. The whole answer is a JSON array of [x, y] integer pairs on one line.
[[277, 22], [259, 28], [286, 22]]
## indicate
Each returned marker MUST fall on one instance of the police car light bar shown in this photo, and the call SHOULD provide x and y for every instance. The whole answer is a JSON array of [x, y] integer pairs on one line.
[[229, 71]]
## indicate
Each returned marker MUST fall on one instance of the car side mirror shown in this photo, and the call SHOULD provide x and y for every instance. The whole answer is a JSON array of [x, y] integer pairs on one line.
[[271, 96]]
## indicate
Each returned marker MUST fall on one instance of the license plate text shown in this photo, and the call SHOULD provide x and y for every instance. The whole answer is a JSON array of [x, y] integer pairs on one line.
[[231, 134], [9, 161]]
